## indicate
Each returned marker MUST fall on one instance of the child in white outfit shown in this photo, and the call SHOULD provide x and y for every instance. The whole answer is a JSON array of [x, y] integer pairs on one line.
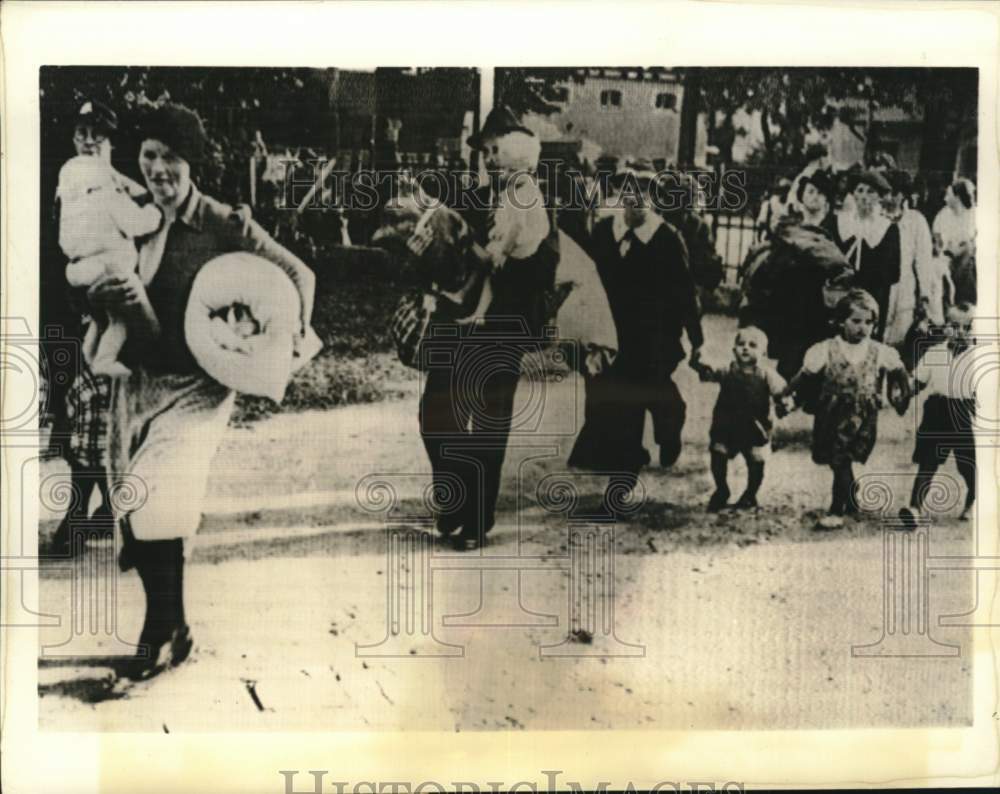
[[520, 223], [98, 222]]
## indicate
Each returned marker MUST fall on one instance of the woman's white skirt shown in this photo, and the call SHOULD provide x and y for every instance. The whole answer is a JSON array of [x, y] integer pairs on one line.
[[164, 431]]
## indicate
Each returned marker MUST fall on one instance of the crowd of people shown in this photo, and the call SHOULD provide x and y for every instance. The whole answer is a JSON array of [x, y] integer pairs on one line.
[[913, 251], [855, 291], [846, 286], [852, 297]]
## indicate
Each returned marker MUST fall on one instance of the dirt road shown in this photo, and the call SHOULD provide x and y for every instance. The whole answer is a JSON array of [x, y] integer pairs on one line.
[[720, 621]]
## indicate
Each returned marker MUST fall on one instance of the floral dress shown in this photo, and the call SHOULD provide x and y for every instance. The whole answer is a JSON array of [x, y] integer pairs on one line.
[[846, 421]]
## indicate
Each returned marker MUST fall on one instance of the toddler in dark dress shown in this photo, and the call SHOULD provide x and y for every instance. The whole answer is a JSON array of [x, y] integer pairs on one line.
[[741, 421]]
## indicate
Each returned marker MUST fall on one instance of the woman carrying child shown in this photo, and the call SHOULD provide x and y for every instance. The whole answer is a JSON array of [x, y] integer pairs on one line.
[[467, 407], [169, 415], [847, 372]]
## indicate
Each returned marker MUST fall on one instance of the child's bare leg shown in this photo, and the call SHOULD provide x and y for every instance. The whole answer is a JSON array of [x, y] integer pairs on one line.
[[108, 348], [719, 465]]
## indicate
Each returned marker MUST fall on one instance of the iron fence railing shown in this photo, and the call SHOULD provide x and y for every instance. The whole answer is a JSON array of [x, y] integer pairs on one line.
[[735, 235]]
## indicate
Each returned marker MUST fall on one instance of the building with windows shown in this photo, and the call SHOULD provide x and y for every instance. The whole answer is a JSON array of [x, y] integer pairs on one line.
[[618, 112]]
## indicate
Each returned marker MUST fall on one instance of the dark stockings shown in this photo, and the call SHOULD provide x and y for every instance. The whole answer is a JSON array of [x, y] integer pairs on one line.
[[719, 467], [755, 476], [843, 489], [966, 464], [160, 565], [78, 520]]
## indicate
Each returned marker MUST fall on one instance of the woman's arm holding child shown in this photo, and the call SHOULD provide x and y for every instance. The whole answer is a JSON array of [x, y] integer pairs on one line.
[[125, 296]]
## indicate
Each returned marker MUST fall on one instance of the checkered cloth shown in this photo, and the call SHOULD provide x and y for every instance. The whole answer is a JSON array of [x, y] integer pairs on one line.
[[409, 326], [88, 402]]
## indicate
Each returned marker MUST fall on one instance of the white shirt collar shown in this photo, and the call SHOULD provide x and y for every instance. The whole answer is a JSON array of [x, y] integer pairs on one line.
[[644, 232], [871, 229]]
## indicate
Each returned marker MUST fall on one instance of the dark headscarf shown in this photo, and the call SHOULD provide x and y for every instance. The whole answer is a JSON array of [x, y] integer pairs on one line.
[[900, 181], [178, 127], [873, 179]]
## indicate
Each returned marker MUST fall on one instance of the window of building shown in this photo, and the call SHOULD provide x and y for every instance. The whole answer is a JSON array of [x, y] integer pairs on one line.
[[560, 93], [666, 101], [611, 98]]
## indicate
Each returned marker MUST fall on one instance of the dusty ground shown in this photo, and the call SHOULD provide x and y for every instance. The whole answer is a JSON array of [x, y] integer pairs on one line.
[[731, 621]]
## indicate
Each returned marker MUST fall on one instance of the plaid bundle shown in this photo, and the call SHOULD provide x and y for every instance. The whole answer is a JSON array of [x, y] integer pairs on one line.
[[409, 326], [87, 404]]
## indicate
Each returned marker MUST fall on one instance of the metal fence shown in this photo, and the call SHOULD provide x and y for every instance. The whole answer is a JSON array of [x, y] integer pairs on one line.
[[735, 235]]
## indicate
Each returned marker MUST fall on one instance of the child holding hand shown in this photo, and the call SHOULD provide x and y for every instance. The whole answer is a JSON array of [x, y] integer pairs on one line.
[[741, 421], [848, 371], [948, 372]]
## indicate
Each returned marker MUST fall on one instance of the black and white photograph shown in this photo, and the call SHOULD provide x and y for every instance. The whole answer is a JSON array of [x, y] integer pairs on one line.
[[496, 388], [471, 399]]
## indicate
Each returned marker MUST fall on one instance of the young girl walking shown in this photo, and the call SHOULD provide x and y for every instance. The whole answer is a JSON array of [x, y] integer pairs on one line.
[[847, 372]]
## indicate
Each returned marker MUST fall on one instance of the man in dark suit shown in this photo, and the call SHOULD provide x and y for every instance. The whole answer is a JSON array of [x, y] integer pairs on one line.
[[643, 264]]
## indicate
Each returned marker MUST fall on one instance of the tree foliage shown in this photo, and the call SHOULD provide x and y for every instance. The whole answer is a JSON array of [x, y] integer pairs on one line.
[[532, 90], [794, 101], [286, 105]]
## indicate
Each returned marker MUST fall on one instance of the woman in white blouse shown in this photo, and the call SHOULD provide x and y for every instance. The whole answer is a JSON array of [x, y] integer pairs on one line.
[[955, 238]]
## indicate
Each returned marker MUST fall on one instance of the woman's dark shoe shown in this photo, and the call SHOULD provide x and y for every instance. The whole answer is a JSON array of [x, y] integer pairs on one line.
[[126, 558], [157, 655], [747, 502], [102, 523], [853, 506], [126, 554], [967, 509], [447, 524], [469, 539], [72, 533], [908, 518], [160, 565], [64, 541], [718, 501], [669, 454]]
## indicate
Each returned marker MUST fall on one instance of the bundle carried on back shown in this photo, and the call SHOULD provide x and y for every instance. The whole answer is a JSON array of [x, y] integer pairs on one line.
[[793, 246]]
